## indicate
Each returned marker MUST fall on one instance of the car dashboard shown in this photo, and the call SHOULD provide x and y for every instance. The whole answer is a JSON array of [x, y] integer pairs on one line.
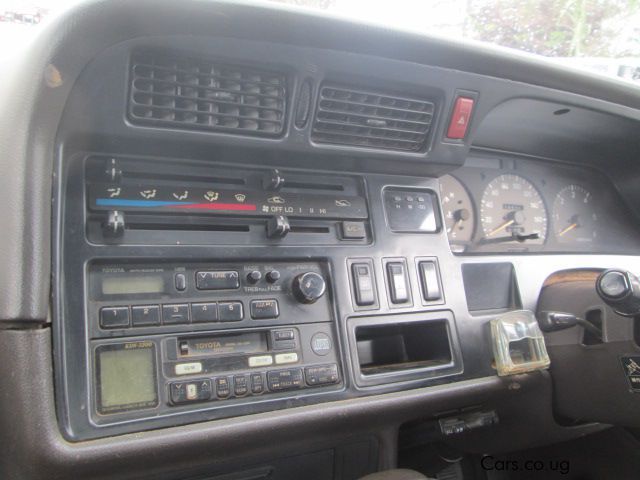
[[247, 235]]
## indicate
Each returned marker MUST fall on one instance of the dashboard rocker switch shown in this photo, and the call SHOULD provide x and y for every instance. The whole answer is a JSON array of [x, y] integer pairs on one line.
[[398, 283], [429, 280], [363, 284], [278, 227]]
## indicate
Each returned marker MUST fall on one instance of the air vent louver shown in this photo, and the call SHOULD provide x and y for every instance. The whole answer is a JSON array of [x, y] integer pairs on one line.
[[367, 119], [179, 92]]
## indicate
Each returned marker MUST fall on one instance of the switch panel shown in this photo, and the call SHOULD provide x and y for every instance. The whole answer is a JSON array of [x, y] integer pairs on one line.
[[398, 282]]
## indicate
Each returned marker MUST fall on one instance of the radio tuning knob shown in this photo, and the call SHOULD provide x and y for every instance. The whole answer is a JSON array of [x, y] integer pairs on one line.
[[273, 180], [308, 287]]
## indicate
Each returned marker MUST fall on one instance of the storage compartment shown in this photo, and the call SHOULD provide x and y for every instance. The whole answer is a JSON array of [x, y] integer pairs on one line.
[[415, 347], [404, 346], [491, 287]]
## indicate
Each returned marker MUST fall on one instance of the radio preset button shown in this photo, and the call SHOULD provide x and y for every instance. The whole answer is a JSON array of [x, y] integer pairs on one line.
[[175, 313], [257, 383], [114, 317], [240, 385], [145, 315], [230, 311], [217, 280], [188, 368], [223, 389], [321, 375], [263, 309], [283, 358], [186, 392], [260, 361], [285, 379], [204, 312]]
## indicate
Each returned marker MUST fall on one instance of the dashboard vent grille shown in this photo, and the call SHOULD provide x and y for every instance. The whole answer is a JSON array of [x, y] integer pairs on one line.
[[367, 119], [178, 92]]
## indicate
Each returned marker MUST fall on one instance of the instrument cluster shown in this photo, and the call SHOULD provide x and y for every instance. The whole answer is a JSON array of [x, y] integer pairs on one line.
[[508, 205]]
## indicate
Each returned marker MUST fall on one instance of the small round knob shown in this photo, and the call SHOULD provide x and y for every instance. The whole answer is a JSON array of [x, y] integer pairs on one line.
[[308, 287], [254, 276], [273, 276]]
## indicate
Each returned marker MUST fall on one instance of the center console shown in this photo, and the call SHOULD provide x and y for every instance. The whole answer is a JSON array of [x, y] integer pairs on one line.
[[204, 291]]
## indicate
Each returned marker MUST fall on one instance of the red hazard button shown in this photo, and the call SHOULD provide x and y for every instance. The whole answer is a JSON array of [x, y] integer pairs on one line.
[[460, 118]]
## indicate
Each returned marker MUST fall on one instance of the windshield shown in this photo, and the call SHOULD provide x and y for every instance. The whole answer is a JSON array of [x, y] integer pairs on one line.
[[599, 35]]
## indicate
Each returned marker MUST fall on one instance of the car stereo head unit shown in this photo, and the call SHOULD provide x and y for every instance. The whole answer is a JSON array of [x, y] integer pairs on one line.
[[177, 337]]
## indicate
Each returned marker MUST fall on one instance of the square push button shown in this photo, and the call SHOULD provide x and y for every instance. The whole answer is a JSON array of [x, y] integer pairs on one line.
[[230, 311], [114, 317], [145, 315], [353, 230], [263, 309], [204, 312], [175, 313]]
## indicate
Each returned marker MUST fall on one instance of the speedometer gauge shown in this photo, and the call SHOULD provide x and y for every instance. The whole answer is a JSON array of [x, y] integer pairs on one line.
[[457, 209], [573, 216], [512, 210]]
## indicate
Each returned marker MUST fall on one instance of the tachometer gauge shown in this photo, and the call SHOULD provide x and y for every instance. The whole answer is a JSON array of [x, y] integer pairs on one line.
[[512, 210], [457, 209], [573, 216]]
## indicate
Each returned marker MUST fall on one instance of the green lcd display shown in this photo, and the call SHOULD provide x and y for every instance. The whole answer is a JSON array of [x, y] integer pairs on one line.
[[126, 377], [131, 285]]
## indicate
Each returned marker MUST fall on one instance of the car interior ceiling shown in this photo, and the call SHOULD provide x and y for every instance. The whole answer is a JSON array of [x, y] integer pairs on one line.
[[251, 242]]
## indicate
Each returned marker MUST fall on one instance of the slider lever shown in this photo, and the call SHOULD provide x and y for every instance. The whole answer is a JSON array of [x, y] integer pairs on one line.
[[555, 321], [278, 227], [114, 224]]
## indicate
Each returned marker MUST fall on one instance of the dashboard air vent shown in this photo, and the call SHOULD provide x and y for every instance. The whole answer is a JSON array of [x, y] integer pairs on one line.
[[178, 92], [353, 117]]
